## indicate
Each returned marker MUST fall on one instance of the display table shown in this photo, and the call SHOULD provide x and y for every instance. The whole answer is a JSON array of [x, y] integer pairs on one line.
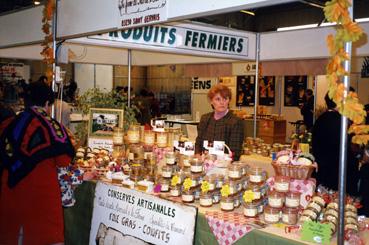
[[254, 160], [78, 222]]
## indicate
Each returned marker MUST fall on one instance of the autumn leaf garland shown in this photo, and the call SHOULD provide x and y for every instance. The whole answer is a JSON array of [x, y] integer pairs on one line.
[[346, 31], [47, 51]]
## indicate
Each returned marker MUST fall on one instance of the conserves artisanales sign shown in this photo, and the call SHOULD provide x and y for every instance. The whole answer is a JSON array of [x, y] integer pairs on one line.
[[124, 216], [188, 38]]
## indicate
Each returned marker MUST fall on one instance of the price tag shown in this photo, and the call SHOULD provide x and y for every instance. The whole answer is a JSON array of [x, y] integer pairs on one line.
[[316, 232]]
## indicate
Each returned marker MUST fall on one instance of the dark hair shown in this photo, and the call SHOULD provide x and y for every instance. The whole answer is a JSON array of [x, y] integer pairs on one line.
[[309, 92], [42, 79], [329, 102], [38, 93]]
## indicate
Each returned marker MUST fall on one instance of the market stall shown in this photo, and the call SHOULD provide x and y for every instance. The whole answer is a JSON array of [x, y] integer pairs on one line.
[[205, 217]]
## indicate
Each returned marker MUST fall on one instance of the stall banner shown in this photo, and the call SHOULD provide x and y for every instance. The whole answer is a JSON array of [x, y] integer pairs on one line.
[[100, 143], [201, 85], [141, 12], [179, 38], [124, 216]]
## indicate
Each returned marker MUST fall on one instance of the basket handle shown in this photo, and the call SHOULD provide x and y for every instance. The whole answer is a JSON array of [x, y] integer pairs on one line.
[[229, 150]]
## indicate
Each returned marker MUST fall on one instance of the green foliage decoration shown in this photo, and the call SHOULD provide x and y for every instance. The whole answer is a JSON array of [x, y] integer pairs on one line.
[[97, 98]]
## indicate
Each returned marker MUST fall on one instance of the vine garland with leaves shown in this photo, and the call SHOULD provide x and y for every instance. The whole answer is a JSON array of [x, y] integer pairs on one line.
[[47, 50], [346, 31]]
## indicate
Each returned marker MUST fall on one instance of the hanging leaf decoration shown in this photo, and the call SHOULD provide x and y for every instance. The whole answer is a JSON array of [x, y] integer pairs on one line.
[[346, 31], [47, 51]]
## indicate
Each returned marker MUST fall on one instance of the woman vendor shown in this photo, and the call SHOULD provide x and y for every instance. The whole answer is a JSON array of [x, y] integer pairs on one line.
[[221, 124]]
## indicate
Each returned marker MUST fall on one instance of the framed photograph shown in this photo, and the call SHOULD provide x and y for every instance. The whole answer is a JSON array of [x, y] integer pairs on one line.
[[103, 120], [267, 91], [294, 90], [245, 93]]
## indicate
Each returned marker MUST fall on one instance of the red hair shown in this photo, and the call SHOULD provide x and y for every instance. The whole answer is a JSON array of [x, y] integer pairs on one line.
[[223, 90]]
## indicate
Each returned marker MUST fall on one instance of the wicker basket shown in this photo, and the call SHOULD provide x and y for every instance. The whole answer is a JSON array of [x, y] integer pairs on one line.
[[293, 171]]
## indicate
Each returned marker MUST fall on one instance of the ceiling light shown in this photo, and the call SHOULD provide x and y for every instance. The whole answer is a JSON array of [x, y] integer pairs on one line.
[[362, 20], [247, 12], [36, 2], [297, 27]]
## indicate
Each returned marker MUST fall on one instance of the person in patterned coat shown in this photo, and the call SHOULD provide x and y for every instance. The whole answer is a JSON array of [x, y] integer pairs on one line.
[[32, 147]]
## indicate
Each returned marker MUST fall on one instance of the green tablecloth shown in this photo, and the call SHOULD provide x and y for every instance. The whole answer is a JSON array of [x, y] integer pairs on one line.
[[78, 222]]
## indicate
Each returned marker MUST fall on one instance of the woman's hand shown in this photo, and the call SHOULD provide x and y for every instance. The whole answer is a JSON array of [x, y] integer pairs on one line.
[[89, 176]]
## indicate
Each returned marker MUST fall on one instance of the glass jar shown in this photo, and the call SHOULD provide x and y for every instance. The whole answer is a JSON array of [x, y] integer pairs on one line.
[[256, 189], [166, 171], [185, 161], [118, 153], [188, 196], [170, 158], [226, 203], [161, 139], [175, 191], [219, 181], [211, 180], [236, 200], [257, 175], [136, 151], [292, 199], [149, 138], [136, 172], [234, 171], [250, 209], [275, 199], [271, 215], [133, 134], [196, 165], [289, 216], [232, 186], [282, 183], [151, 169], [164, 184], [118, 134], [206, 200], [195, 179], [216, 196]]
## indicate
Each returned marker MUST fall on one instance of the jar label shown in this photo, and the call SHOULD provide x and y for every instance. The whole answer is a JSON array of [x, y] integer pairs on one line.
[[255, 178], [170, 160], [275, 202], [292, 202], [234, 174], [118, 139], [166, 174], [133, 136], [187, 198], [149, 139], [206, 201], [226, 205], [250, 212], [282, 186], [164, 187], [196, 169], [271, 218], [174, 193]]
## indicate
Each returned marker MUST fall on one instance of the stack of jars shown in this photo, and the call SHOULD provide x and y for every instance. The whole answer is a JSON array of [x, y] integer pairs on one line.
[[168, 171], [196, 174], [282, 203], [257, 186]]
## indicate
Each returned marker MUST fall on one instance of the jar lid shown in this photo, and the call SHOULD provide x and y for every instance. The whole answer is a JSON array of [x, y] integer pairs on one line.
[[271, 210], [287, 210], [293, 194]]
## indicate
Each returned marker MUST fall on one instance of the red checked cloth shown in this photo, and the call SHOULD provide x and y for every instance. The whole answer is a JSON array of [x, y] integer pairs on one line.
[[305, 187], [227, 227]]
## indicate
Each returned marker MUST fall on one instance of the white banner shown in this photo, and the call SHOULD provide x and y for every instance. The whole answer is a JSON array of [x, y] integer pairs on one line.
[[124, 216], [201, 85], [100, 143], [185, 38], [141, 12], [9, 71]]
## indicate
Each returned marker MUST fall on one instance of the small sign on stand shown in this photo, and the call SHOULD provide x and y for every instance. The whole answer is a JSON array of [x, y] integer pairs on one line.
[[316, 232]]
